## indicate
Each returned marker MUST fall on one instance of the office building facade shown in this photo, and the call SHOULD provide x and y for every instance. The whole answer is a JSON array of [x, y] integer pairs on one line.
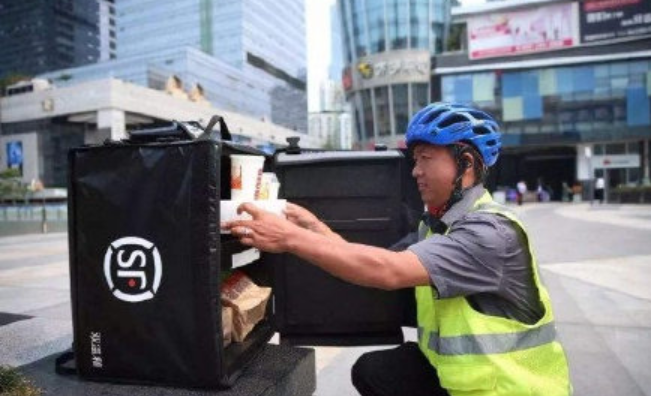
[[263, 40], [569, 82], [231, 51], [38, 36], [387, 49]]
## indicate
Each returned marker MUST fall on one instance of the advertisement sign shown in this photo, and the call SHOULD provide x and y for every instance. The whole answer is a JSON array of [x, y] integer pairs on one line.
[[618, 161], [397, 67], [15, 155], [603, 20], [347, 79], [522, 32]]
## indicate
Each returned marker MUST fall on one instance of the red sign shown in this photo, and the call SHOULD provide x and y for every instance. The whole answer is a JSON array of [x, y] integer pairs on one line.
[[347, 79]]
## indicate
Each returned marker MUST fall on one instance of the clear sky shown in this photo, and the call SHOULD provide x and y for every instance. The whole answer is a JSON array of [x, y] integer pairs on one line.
[[318, 47]]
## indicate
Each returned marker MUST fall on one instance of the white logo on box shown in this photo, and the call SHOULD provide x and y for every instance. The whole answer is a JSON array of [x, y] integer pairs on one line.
[[133, 269]]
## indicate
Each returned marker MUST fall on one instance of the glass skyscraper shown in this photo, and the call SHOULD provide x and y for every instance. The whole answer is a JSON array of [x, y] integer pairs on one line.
[[246, 56], [264, 40], [387, 50], [37, 36]]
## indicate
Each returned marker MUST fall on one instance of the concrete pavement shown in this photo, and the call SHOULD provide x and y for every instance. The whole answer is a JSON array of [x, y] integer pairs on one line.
[[595, 260]]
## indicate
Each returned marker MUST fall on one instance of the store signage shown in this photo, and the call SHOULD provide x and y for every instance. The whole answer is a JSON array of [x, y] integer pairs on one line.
[[396, 67], [365, 69], [522, 32], [392, 68], [616, 161], [603, 20]]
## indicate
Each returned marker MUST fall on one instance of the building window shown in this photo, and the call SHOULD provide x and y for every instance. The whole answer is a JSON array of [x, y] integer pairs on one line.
[[344, 29], [376, 25], [358, 125], [367, 107], [615, 148], [359, 29], [419, 96], [418, 21], [383, 111], [398, 23], [400, 107]]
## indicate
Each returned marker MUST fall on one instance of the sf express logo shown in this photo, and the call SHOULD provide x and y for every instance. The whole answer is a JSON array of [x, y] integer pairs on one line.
[[133, 270]]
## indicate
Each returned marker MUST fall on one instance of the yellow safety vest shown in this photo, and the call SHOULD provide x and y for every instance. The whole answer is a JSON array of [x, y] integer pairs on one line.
[[477, 354]]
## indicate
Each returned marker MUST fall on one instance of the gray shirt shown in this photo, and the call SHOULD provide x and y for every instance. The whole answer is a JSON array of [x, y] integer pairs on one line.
[[484, 257]]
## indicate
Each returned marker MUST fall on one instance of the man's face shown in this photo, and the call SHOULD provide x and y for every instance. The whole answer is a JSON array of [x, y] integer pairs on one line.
[[434, 170]]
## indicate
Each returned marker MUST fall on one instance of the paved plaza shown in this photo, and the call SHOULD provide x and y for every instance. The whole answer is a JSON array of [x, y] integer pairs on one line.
[[595, 260]]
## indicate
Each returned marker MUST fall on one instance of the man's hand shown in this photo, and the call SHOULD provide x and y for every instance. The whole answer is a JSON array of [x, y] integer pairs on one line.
[[265, 231], [306, 219], [359, 264], [301, 216]]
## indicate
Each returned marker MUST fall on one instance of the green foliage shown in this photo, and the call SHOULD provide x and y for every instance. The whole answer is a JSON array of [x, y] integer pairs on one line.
[[12, 383], [10, 185]]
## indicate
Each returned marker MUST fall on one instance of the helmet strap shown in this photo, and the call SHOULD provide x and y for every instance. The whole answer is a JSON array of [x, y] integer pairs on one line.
[[457, 192]]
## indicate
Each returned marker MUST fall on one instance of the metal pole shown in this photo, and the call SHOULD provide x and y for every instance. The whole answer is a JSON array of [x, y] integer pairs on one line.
[[590, 184], [43, 218], [605, 192]]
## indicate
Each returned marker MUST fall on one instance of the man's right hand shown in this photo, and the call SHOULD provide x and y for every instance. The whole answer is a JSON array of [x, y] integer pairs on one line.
[[301, 216], [306, 219]]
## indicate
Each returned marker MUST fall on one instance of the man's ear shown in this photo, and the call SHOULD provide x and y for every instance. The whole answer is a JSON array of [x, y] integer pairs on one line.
[[467, 161]]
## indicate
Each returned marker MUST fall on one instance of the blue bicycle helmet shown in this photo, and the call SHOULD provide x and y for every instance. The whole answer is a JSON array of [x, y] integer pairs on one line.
[[443, 124]]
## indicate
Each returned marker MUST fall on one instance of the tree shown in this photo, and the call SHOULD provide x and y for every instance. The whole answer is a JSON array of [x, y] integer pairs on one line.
[[10, 185]]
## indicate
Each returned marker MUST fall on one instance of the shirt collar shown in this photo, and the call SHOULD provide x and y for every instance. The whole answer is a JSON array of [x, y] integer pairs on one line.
[[470, 196], [468, 199]]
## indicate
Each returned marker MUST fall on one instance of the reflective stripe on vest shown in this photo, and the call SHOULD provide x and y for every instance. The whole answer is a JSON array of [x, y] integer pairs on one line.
[[485, 344]]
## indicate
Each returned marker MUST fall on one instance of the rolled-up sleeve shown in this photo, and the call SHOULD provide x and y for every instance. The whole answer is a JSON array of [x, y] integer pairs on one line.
[[470, 258]]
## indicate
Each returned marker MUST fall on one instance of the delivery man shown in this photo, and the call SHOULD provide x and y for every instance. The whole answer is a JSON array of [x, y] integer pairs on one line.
[[485, 324]]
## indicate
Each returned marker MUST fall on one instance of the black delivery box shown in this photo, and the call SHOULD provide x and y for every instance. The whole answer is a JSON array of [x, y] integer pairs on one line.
[[146, 259], [361, 196], [147, 256]]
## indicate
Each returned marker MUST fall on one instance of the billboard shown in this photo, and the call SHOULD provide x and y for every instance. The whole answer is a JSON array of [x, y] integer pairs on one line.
[[15, 156], [523, 32], [603, 20]]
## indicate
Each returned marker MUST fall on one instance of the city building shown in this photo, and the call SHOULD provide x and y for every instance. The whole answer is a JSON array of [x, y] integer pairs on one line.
[[232, 49], [38, 36], [107, 36], [332, 124], [40, 124], [569, 82], [388, 45]]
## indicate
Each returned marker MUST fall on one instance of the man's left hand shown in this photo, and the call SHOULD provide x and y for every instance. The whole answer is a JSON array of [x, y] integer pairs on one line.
[[265, 231]]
